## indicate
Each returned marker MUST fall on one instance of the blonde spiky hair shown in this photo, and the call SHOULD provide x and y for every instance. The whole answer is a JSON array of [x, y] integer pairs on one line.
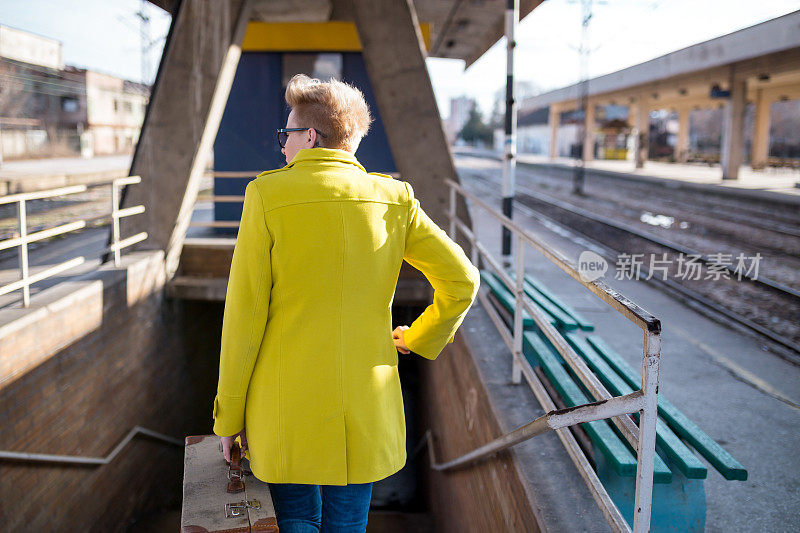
[[333, 107]]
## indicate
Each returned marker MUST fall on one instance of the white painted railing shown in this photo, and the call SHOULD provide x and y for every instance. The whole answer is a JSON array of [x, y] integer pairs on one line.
[[225, 198], [10, 455], [25, 238]]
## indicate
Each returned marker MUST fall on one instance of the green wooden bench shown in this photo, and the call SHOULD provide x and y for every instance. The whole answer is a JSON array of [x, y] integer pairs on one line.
[[535, 288], [616, 450], [677, 451], [679, 493], [559, 313], [715, 454]]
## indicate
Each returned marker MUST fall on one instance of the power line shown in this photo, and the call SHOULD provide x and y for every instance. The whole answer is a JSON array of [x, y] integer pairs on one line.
[[619, 33], [143, 31], [32, 66], [49, 75], [70, 84], [53, 91]]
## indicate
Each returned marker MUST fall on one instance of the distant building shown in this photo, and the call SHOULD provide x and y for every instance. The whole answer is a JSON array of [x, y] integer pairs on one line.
[[27, 47], [49, 109], [115, 112], [460, 109], [534, 135]]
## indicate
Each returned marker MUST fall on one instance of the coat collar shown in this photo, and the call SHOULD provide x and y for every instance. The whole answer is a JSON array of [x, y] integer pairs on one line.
[[325, 154]]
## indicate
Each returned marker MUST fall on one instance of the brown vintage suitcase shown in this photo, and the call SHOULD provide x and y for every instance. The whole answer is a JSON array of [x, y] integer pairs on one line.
[[219, 497]]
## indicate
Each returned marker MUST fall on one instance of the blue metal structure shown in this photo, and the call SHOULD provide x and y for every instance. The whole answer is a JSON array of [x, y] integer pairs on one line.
[[246, 139]]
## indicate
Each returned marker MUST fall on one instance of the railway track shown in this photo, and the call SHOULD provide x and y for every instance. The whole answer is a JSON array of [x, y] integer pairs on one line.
[[784, 221], [723, 209], [758, 304]]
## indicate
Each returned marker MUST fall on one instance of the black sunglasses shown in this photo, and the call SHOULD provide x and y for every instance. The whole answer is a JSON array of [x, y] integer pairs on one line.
[[283, 134]]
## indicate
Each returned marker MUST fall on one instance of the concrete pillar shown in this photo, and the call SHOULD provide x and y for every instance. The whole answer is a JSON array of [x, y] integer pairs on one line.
[[682, 145], [642, 130], [553, 121], [588, 137], [733, 128], [394, 54], [188, 98], [630, 141], [760, 148]]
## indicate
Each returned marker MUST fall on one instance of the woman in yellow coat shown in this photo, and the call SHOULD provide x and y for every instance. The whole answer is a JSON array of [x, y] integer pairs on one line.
[[308, 376]]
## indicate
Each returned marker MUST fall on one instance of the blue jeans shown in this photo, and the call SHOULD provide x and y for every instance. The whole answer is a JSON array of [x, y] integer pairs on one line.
[[302, 508]]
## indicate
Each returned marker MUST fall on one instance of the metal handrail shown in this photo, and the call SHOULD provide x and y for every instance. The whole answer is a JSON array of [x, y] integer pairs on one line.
[[85, 460], [25, 238], [237, 174], [627, 307], [555, 419], [607, 406]]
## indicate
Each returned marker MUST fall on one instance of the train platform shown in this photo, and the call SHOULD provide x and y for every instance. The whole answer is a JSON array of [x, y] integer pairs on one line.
[[744, 397], [772, 184]]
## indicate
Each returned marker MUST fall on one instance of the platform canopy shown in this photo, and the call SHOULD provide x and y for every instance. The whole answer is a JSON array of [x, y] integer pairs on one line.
[[766, 55], [460, 29]]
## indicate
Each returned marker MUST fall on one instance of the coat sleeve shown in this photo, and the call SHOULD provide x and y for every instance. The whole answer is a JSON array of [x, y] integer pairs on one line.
[[245, 315], [454, 278]]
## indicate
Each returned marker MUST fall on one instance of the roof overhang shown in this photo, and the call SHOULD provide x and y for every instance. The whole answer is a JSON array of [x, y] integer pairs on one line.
[[457, 29]]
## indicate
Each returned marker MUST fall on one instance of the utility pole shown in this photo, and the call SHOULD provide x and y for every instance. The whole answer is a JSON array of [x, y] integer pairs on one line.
[[144, 20], [147, 44], [583, 98], [510, 152]]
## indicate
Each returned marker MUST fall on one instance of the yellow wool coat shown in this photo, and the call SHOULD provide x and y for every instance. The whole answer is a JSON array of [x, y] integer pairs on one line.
[[308, 365]]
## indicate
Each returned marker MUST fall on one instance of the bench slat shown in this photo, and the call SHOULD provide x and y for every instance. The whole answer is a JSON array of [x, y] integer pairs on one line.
[[730, 468], [675, 449], [610, 444], [507, 298], [563, 319], [582, 322], [555, 316]]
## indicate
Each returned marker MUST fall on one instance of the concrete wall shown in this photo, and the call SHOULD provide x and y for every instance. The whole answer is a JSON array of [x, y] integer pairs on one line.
[[486, 496], [88, 361]]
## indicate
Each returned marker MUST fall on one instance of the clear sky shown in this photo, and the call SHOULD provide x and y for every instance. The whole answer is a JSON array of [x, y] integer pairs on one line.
[[104, 35], [101, 35], [621, 33]]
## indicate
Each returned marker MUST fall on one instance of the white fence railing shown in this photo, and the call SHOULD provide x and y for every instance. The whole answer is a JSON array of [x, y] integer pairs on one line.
[[224, 198], [25, 238]]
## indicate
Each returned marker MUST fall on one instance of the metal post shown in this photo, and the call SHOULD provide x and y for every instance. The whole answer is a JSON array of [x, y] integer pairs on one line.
[[115, 220], [452, 213], [510, 161], [144, 33], [647, 433], [23, 252], [519, 292], [585, 128]]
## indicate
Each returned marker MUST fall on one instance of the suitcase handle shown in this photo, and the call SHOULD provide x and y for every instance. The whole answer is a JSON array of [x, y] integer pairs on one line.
[[235, 479]]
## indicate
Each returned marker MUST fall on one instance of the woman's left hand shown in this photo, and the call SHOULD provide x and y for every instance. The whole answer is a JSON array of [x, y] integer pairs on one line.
[[400, 339], [227, 444]]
